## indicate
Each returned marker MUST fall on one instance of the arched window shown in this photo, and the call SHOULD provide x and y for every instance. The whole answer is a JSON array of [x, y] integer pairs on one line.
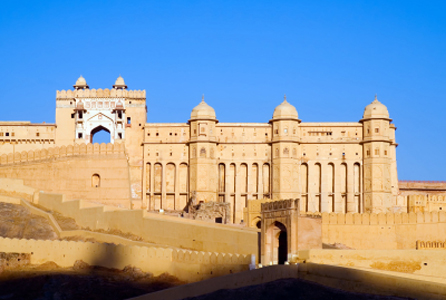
[[95, 180]]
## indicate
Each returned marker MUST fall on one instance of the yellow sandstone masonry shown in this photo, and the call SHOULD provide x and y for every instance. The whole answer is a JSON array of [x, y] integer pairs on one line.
[[383, 231], [189, 266]]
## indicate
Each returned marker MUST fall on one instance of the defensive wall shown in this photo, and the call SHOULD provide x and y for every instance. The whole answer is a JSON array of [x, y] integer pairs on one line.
[[187, 265], [160, 229], [417, 262], [349, 279], [383, 230], [93, 172]]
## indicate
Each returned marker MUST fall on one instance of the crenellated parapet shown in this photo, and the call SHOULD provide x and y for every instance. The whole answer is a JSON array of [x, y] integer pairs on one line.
[[383, 218], [100, 93], [59, 152], [214, 258]]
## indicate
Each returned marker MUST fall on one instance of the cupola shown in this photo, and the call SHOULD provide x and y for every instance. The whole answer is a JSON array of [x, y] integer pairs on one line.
[[285, 111], [376, 110], [119, 83], [81, 83], [202, 111]]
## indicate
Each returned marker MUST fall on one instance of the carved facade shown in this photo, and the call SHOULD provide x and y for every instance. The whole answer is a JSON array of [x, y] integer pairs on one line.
[[332, 167]]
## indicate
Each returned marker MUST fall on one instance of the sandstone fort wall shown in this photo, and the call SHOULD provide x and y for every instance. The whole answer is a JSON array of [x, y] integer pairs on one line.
[[189, 266], [383, 231], [98, 173], [162, 230]]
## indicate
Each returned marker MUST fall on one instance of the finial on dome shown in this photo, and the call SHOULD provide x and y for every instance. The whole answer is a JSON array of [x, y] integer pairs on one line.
[[202, 98], [81, 83], [284, 98], [376, 97]]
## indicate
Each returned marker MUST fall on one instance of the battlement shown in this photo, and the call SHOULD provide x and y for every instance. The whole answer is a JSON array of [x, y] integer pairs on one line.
[[383, 218], [100, 93], [62, 151]]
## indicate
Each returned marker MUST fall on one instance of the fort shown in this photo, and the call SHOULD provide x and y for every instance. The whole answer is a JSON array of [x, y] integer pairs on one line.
[[285, 191]]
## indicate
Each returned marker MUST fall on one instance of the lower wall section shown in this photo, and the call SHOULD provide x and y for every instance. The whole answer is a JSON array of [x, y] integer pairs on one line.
[[418, 262], [75, 176], [383, 231], [162, 230], [189, 266]]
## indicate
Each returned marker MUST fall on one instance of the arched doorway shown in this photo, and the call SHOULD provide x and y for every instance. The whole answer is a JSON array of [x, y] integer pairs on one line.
[[276, 244], [100, 135]]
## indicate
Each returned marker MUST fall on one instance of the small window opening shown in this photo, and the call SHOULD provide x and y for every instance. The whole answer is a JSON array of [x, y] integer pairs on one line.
[[170, 153], [130, 102], [176, 134], [148, 134], [7, 134], [129, 120], [119, 114], [37, 133], [376, 130], [376, 151], [219, 220], [80, 115], [79, 135], [12, 133], [385, 152], [277, 131], [170, 133], [157, 134], [195, 131], [1, 133], [368, 152], [120, 136], [95, 180], [72, 116]]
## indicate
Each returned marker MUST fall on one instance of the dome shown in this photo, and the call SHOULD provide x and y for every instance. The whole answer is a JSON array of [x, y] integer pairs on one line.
[[202, 111], [81, 83], [119, 83], [376, 110], [285, 111]]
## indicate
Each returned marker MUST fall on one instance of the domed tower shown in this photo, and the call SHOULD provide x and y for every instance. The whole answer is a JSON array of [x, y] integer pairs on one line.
[[380, 178], [81, 83], [202, 149], [285, 151]]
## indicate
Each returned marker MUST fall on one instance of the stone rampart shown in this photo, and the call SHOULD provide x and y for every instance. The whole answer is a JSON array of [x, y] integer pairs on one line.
[[100, 93], [59, 152], [162, 230], [189, 266], [97, 173], [383, 230]]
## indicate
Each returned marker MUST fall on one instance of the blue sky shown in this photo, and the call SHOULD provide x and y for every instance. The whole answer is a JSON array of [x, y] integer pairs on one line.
[[329, 57]]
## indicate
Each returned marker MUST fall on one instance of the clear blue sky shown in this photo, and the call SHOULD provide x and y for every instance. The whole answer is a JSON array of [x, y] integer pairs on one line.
[[329, 57]]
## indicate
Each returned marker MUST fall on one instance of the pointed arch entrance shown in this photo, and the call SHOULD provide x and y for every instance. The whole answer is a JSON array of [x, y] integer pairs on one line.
[[100, 135], [279, 231]]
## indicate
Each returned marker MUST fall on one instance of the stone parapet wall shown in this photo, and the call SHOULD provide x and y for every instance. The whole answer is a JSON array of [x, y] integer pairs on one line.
[[189, 266], [93, 172], [383, 231], [162, 230], [100, 93], [62, 151]]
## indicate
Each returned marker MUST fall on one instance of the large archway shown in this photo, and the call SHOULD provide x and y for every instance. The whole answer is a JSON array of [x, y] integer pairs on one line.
[[279, 231], [276, 244], [100, 135]]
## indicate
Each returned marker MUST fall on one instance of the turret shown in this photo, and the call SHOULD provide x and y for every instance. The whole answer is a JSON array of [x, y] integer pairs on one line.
[[379, 158], [285, 151], [203, 166]]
